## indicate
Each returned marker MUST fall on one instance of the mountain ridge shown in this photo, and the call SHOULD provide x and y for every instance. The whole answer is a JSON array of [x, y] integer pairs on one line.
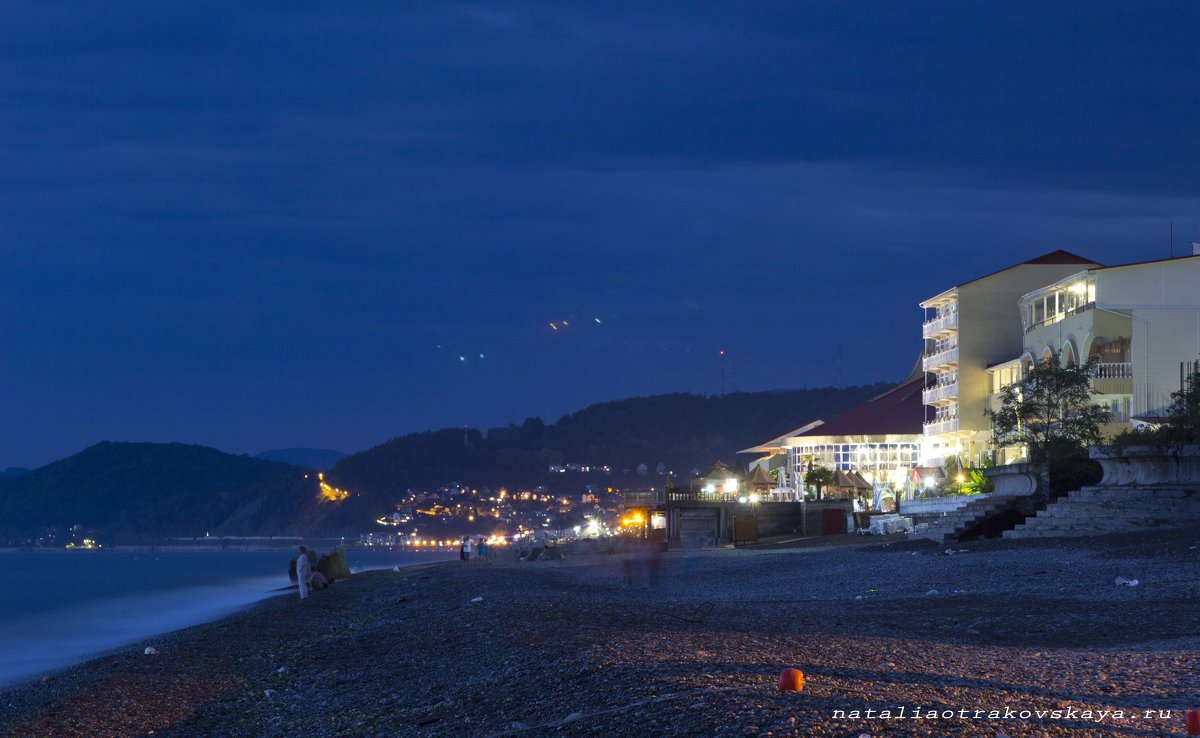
[[142, 491]]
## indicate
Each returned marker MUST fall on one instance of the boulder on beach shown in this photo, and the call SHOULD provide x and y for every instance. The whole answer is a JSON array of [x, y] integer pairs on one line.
[[333, 565]]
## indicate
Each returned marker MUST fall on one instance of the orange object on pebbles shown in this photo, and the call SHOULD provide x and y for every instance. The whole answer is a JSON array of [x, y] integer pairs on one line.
[[791, 680], [1193, 722]]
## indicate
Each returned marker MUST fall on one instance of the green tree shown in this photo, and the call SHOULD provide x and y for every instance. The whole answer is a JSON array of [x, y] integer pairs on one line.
[[818, 477], [1050, 412], [1180, 426], [962, 480]]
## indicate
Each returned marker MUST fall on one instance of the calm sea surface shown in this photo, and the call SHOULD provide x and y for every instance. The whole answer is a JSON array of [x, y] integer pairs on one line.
[[58, 608]]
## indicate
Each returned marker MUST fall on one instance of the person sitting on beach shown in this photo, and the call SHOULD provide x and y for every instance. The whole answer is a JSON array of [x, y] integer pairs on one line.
[[303, 572]]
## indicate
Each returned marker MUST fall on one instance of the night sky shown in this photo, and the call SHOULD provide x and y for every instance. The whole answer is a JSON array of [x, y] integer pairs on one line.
[[259, 225]]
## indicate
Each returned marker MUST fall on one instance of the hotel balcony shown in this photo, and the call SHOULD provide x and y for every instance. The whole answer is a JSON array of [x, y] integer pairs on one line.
[[941, 427], [1113, 379], [645, 498], [1114, 371], [934, 395], [946, 357], [940, 325]]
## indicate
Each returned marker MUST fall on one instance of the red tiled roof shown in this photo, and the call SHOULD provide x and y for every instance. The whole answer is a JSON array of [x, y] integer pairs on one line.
[[897, 411], [1059, 257], [1054, 257]]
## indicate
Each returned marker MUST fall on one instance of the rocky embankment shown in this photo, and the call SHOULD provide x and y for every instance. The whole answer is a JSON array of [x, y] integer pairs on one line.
[[564, 648]]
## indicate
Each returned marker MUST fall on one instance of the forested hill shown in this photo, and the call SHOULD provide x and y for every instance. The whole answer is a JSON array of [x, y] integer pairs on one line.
[[681, 431], [145, 491]]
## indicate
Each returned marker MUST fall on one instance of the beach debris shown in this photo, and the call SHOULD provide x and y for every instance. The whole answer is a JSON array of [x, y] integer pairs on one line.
[[150, 651], [396, 568], [791, 680], [46, 678], [572, 717], [1127, 582], [932, 593], [518, 725], [268, 693], [281, 670], [858, 597], [476, 599]]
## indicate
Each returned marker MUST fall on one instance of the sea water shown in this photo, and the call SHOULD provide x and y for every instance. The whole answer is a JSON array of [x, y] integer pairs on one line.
[[58, 608]]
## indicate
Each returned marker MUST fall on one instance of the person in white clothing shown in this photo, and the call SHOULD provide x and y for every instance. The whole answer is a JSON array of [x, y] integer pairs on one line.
[[303, 572]]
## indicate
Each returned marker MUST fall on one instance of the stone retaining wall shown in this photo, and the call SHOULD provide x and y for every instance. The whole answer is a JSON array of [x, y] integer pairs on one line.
[[1148, 466]]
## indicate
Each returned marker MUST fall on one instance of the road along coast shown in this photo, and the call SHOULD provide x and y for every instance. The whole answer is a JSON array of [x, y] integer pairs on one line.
[[897, 639]]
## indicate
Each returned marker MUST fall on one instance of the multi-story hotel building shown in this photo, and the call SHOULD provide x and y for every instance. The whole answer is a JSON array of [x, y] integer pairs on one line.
[[968, 328], [1141, 321]]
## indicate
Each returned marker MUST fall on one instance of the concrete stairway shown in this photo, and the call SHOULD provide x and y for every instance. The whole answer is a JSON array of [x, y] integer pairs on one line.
[[1100, 510], [961, 521]]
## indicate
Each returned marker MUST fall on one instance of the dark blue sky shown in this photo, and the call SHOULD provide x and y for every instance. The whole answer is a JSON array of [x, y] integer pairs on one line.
[[255, 225]]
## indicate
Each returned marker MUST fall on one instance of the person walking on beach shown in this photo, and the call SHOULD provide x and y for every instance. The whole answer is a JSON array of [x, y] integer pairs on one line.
[[303, 572]]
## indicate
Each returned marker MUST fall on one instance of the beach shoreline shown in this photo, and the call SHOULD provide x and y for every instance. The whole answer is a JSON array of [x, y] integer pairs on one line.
[[566, 648]]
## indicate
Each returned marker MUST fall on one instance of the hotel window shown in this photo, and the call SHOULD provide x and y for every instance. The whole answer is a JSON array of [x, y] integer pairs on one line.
[[1111, 349]]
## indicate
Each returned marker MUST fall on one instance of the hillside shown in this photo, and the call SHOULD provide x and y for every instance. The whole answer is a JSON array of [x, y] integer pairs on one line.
[[681, 431], [148, 491], [309, 458], [145, 491]]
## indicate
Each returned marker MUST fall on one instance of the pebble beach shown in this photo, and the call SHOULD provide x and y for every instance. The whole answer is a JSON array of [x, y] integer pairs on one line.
[[894, 638]]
